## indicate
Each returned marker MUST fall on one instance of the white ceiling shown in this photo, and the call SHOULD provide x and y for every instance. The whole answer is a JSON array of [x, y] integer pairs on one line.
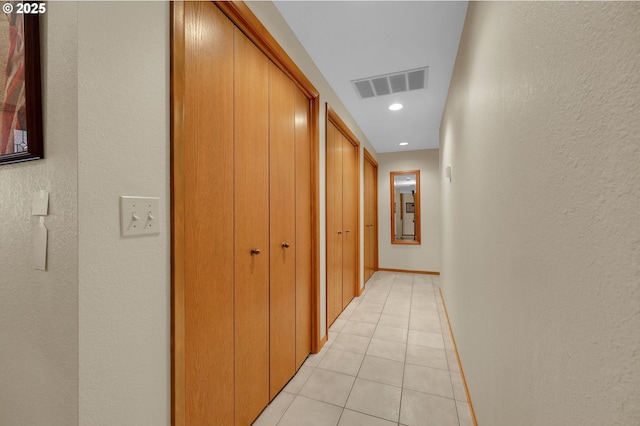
[[351, 40]]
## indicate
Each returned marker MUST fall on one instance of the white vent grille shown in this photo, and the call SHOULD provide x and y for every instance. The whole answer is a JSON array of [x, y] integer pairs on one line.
[[396, 82]]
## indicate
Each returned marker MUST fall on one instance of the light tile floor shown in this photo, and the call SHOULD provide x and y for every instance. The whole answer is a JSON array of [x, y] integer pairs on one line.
[[389, 360]]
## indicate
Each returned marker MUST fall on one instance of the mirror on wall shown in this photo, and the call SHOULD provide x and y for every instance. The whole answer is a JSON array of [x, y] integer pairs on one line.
[[405, 207]]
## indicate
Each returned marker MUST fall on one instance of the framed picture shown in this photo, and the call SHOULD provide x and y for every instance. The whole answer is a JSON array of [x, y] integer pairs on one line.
[[20, 84], [411, 207]]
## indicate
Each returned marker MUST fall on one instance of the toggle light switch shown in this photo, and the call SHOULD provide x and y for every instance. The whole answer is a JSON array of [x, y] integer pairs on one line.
[[139, 216]]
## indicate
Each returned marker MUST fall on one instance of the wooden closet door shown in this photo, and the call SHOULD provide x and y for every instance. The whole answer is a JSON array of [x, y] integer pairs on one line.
[[208, 241], [334, 223], [251, 230], [367, 220], [370, 206], [350, 201], [303, 227], [282, 299]]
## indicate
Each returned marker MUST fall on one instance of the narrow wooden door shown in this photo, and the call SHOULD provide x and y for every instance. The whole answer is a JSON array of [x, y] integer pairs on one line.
[[303, 227], [370, 214], [208, 237], [251, 230], [334, 223], [350, 200], [367, 219], [282, 296]]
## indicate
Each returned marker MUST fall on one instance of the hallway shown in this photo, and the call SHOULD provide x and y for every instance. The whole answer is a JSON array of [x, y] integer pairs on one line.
[[389, 360]]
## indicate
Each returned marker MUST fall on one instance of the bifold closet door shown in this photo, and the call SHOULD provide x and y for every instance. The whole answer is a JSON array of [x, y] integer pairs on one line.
[[334, 223], [350, 200], [282, 298], [208, 236], [250, 231], [370, 206], [243, 263]]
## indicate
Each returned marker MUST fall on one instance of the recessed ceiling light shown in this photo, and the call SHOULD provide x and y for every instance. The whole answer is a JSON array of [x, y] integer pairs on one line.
[[403, 143], [395, 107]]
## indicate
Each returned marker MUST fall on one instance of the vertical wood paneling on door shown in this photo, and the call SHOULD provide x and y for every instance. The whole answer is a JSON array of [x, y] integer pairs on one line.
[[339, 201], [349, 219], [208, 244], [332, 223], [371, 215], [251, 231], [282, 299], [367, 219], [303, 227]]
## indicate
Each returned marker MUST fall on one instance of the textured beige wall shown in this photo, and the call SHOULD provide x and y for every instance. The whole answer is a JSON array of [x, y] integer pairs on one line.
[[426, 256], [39, 309], [123, 130], [541, 223]]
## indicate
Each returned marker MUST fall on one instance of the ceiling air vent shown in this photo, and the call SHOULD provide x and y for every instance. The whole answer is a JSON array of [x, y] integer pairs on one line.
[[392, 83]]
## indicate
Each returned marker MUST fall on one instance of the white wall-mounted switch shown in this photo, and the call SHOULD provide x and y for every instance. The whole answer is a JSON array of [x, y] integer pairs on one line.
[[139, 216]]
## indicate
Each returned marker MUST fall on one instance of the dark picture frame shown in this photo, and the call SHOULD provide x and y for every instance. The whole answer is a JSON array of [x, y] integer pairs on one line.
[[32, 108], [411, 208]]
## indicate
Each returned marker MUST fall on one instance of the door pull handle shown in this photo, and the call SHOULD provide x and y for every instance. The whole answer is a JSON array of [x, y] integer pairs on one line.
[[255, 251], [285, 245]]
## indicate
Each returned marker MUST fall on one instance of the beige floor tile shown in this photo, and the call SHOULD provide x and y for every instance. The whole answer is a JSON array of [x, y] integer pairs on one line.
[[425, 324], [389, 350], [428, 380], [394, 321], [396, 310], [296, 383], [346, 314], [365, 316], [424, 315], [392, 334], [399, 301], [351, 343], [314, 359], [458, 387], [353, 418], [341, 362], [375, 399], [453, 362], [328, 386], [421, 409], [428, 357], [275, 410], [358, 328], [337, 325], [382, 370], [308, 412], [464, 414], [424, 338], [378, 298], [331, 336], [403, 278], [370, 306]]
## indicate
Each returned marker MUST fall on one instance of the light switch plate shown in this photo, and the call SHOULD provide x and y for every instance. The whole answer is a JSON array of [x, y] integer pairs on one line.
[[139, 216]]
